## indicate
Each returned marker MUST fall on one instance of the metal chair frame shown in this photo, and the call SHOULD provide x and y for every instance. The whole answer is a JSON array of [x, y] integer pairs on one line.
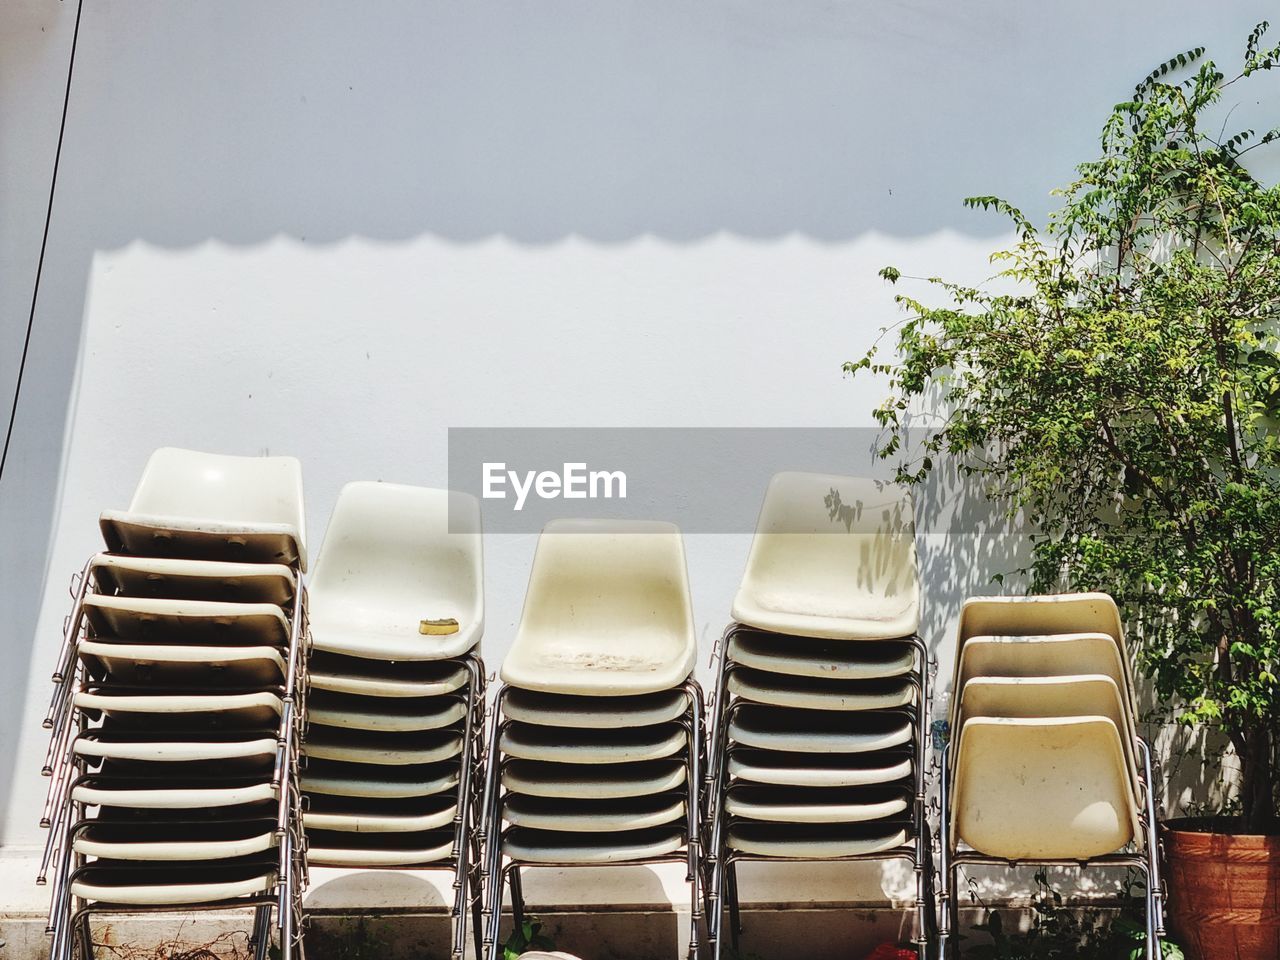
[[498, 875], [69, 919], [465, 862], [721, 881], [1146, 861]]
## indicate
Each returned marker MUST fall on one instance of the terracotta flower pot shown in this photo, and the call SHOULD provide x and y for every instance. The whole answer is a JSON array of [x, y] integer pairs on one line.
[[1224, 890]]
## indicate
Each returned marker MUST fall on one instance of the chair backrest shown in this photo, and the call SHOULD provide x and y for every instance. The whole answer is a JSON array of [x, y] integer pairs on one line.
[[395, 555], [832, 556], [606, 598], [1038, 656], [1042, 788], [1046, 615], [220, 487], [1091, 695]]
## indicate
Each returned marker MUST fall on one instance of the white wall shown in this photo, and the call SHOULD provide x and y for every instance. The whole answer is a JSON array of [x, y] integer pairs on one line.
[[336, 229]]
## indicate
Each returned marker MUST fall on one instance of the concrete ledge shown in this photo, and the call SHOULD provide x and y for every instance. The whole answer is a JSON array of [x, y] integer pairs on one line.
[[790, 912]]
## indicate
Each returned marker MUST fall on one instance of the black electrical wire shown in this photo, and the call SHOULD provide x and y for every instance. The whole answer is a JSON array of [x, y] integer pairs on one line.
[[44, 242]]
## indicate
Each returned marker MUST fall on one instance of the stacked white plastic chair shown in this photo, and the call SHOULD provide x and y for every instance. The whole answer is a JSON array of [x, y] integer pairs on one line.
[[820, 714], [1044, 764], [176, 711], [395, 714], [595, 755]]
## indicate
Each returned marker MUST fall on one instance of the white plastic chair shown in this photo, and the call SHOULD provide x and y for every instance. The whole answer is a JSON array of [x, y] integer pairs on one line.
[[537, 778], [822, 683], [394, 556], [1045, 764], [165, 577], [397, 708], [597, 731], [213, 507], [833, 557], [607, 612], [1054, 788]]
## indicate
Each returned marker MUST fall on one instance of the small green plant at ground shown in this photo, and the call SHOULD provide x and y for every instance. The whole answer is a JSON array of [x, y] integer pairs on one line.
[[528, 936], [1060, 933]]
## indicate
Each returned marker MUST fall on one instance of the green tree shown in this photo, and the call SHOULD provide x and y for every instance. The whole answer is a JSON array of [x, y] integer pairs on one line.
[[1122, 394]]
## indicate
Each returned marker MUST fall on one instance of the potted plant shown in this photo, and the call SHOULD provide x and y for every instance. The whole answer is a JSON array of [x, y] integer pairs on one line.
[[1120, 390]]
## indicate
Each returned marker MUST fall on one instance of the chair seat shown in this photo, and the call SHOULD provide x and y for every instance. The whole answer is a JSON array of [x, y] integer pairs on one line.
[[381, 749], [377, 678], [607, 612], [832, 557], [815, 770], [241, 709], [401, 642], [388, 782], [816, 804], [593, 781], [171, 887], [176, 797], [562, 710], [391, 714], [593, 816], [192, 840], [525, 845], [193, 579], [96, 744], [139, 663], [815, 731], [334, 848], [158, 535], [1042, 789], [813, 693], [792, 841], [354, 815], [565, 745], [161, 620], [809, 657]]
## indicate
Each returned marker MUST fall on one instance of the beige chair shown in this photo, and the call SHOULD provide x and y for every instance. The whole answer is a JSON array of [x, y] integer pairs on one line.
[[208, 506], [1043, 788], [597, 731], [396, 711], [1044, 763], [607, 612], [175, 716], [821, 703]]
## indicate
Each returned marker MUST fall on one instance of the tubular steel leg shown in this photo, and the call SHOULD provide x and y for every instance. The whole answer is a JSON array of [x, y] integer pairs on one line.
[[462, 820], [1153, 840], [735, 908], [497, 882], [86, 937], [261, 937], [476, 907], [517, 897], [944, 854]]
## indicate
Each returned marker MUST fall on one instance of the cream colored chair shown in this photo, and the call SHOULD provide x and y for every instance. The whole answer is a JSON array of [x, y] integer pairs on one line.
[[178, 696], [395, 718], [821, 707], [1044, 763], [1043, 788], [607, 612], [208, 506], [393, 557], [596, 740], [833, 557]]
